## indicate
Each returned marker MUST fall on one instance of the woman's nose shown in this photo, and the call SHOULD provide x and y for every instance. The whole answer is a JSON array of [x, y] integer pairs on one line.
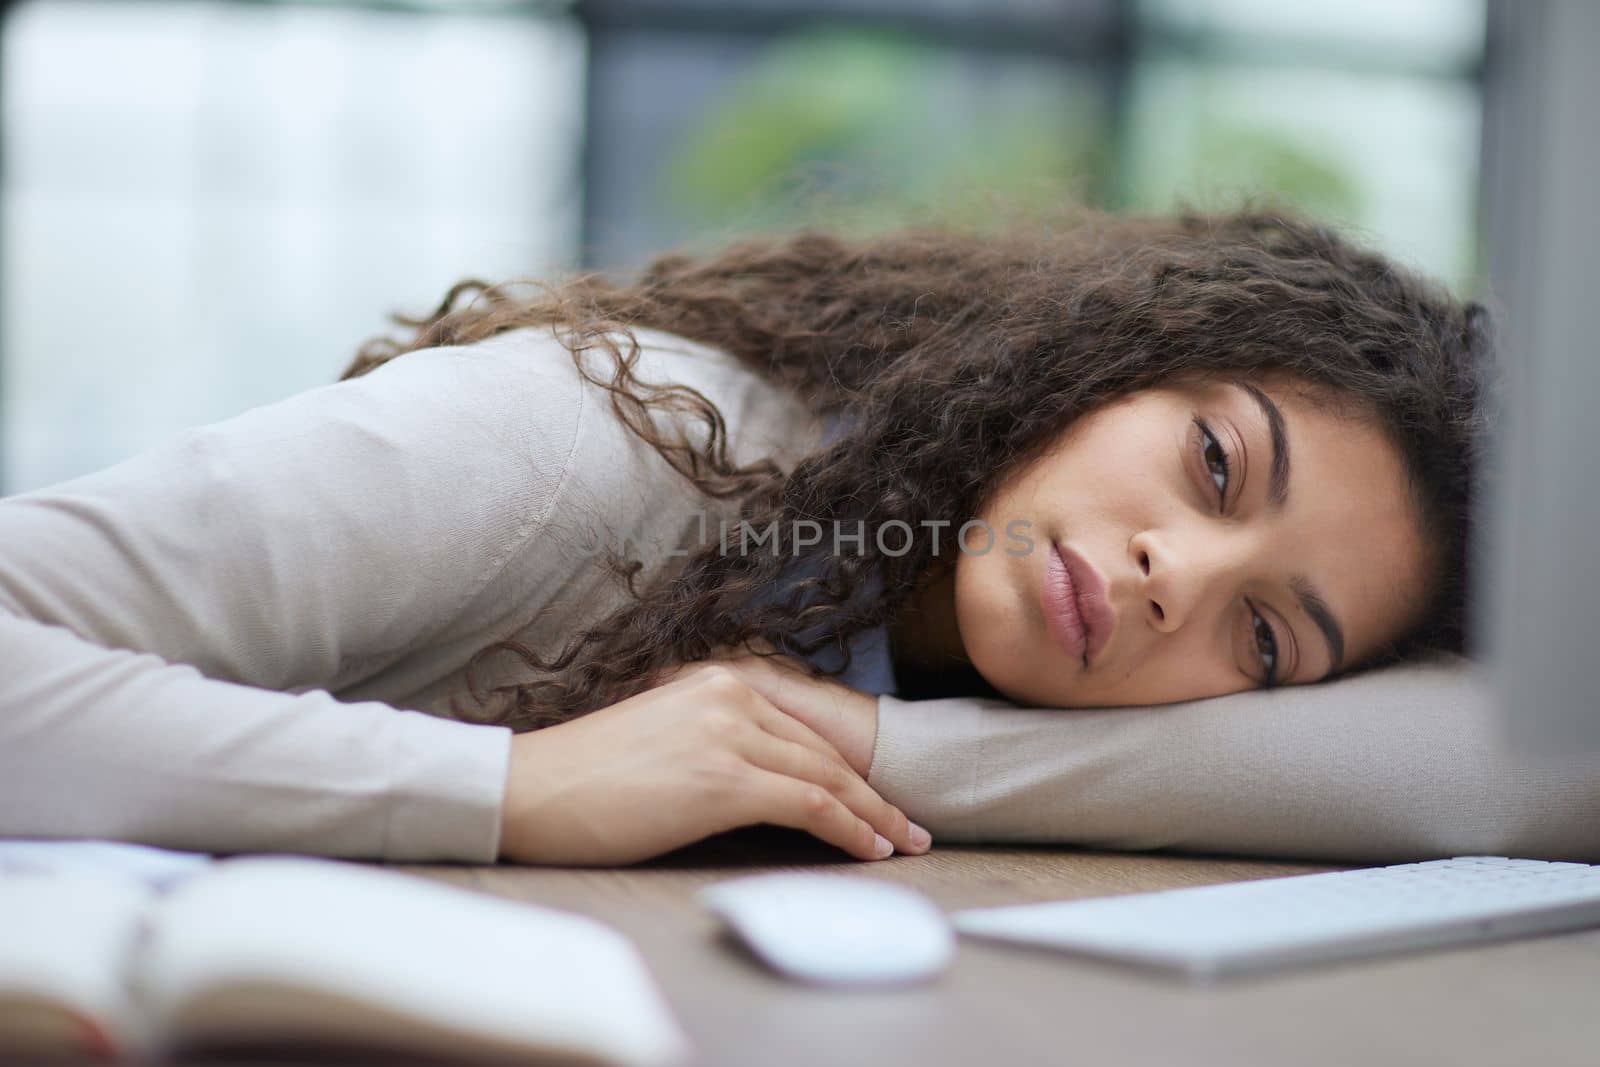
[[1177, 575]]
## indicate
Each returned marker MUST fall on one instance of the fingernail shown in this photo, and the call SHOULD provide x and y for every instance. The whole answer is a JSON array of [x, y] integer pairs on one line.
[[882, 846], [920, 837]]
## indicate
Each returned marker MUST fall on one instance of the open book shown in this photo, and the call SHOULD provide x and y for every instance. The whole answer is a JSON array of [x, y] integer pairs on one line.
[[266, 953]]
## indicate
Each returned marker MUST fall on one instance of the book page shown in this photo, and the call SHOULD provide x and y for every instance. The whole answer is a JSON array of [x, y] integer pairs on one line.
[[265, 947], [65, 941]]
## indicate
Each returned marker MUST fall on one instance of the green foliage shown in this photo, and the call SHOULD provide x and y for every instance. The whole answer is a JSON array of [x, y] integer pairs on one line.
[[1229, 159], [868, 131]]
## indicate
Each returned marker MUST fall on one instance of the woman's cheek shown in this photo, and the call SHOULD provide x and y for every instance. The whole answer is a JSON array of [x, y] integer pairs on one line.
[[992, 634], [1004, 637]]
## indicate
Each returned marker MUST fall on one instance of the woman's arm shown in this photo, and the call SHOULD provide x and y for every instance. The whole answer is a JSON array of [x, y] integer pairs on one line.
[[151, 612], [1391, 765], [121, 745]]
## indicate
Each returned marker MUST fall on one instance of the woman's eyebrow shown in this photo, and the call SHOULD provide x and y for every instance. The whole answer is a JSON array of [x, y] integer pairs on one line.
[[1313, 604], [1278, 481]]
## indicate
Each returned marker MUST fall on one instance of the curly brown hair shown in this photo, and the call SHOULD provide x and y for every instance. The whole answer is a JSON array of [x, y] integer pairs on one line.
[[958, 355]]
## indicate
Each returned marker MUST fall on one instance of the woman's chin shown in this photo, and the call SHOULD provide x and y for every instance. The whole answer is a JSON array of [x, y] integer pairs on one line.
[[1016, 677]]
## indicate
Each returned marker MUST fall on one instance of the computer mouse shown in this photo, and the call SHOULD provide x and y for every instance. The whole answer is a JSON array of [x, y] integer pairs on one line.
[[834, 929]]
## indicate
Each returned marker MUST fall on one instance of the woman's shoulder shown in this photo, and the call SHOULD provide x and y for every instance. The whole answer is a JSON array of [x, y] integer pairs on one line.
[[761, 415], [528, 397], [762, 418], [617, 477]]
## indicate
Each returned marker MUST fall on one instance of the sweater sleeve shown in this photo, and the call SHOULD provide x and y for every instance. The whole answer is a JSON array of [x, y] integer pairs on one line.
[[171, 626], [1391, 765]]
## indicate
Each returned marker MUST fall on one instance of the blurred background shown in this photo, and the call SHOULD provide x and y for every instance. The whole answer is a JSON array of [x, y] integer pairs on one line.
[[209, 204]]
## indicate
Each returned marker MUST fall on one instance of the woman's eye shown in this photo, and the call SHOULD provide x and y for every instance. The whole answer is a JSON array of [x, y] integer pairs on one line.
[[1266, 643], [1216, 460]]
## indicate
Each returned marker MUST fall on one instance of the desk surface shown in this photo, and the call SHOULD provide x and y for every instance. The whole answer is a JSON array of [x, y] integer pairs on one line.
[[1526, 1001]]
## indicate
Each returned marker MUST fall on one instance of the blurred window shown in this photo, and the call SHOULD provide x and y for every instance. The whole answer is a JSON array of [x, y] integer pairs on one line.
[[710, 119], [866, 113], [1366, 112], [209, 206]]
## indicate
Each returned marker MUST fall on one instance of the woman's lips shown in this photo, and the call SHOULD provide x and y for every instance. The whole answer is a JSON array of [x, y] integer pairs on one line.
[[1076, 610]]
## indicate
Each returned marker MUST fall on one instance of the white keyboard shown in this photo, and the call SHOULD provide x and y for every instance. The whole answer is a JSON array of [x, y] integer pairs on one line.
[[1213, 930]]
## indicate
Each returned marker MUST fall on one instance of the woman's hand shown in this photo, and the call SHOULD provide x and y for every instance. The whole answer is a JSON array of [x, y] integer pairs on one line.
[[700, 754], [844, 717]]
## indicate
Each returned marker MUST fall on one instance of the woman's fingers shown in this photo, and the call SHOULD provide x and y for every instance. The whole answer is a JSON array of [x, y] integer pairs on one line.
[[768, 739], [807, 764], [732, 688], [782, 800], [774, 720]]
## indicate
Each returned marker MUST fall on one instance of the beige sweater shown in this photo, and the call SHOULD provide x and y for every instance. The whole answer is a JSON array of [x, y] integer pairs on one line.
[[245, 640]]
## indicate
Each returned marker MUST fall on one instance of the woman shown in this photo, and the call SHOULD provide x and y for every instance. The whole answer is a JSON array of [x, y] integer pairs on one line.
[[1208, 454]]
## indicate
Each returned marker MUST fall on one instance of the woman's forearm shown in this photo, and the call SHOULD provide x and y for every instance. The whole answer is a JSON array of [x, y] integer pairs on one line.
[[108, 743], [1391, 765]]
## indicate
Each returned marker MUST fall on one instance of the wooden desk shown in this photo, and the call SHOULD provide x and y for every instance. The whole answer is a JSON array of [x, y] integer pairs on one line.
[[1531, 1001]]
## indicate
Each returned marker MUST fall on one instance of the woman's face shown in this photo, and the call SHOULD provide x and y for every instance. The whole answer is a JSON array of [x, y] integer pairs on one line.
[[1221, 536]]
